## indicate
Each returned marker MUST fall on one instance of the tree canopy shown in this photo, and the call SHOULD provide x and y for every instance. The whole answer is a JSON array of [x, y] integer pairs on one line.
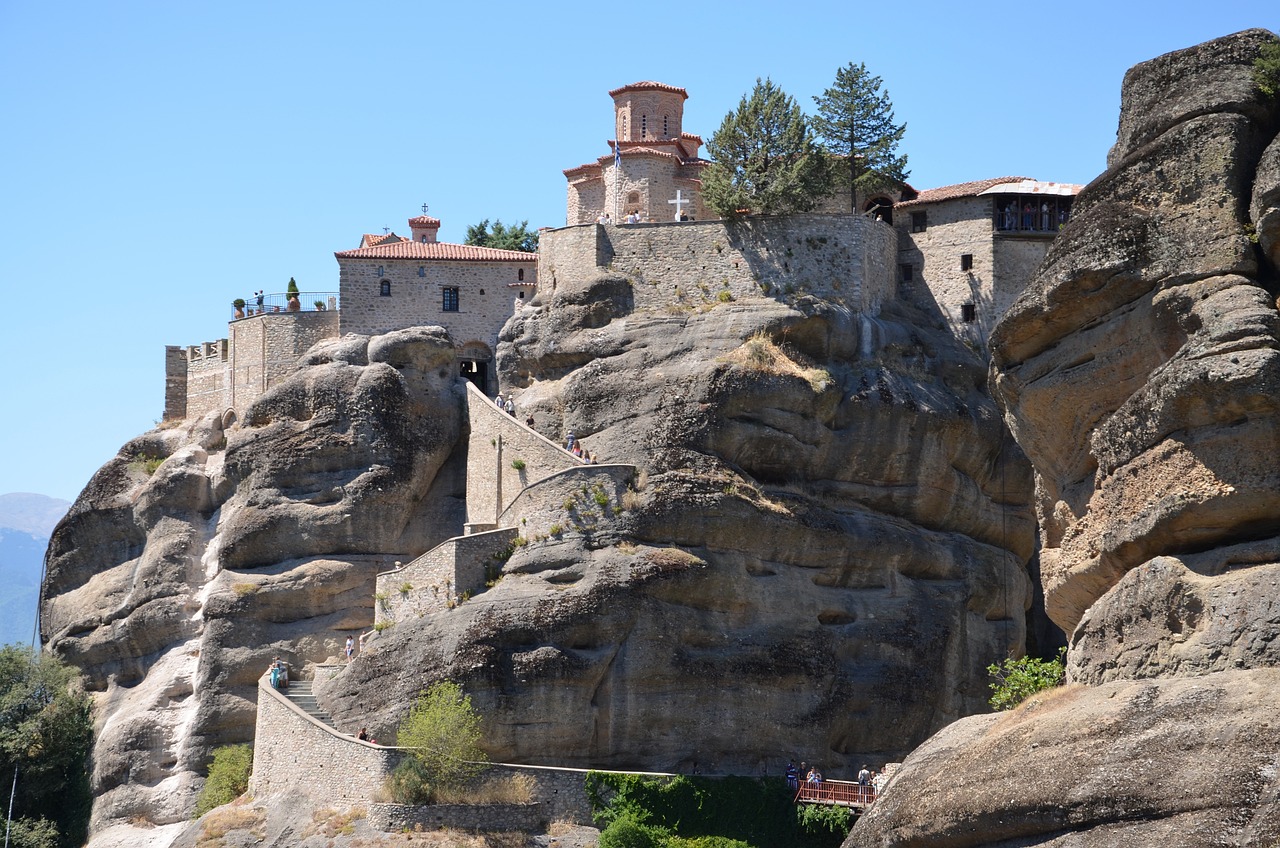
[[515, 237], [855, 120], [46, 732], [765, 158], [444, 732]]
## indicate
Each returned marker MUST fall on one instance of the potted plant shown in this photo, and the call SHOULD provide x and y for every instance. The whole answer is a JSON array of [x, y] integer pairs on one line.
[[291, 294], [238, 303], [319, 306]]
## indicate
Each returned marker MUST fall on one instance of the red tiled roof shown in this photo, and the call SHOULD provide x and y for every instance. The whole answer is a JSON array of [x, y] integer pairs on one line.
[[951, 192], [590, 166], [437, 251], [424, 221], [371, 239], [649, 85]]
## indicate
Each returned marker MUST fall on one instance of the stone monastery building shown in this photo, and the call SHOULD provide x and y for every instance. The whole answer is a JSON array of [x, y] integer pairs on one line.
[[969, 248]]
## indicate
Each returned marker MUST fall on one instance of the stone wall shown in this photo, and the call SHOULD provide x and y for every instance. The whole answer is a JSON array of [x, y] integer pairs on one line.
[[582, 499], [488, 294], [175, 382], [654, 178], [497, 443], [439, 578], [259, 352], [848, 259], [295, 754], [485, 818]]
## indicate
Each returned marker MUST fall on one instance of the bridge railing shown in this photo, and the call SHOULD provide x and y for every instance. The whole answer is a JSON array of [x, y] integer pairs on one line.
[[837, 792]]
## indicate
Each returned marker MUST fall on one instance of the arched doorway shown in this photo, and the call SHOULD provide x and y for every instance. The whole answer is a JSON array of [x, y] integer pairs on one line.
[[475, 362]]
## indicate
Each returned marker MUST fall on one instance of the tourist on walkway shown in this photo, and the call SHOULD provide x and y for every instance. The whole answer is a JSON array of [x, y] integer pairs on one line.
[[793, 776], [351, 648]]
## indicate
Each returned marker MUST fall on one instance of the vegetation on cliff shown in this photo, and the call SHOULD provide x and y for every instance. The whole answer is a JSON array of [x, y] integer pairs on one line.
[[46, 731]]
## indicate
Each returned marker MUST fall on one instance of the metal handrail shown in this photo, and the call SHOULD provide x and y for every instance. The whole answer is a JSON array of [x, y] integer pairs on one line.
[[838, 792], [278, 302]]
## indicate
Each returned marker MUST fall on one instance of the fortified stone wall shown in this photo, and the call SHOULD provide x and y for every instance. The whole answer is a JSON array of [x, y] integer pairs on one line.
[[437, 579], [844, 258], [499, 443], [488, 294], [485, 818], [293, 754], [233, 372]]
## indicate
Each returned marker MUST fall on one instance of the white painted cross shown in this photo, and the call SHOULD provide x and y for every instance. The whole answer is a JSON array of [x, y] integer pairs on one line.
[[680, 203]]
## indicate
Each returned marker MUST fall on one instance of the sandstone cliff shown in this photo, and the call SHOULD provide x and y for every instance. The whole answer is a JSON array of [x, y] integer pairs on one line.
[[826, 549], [1140, 372]]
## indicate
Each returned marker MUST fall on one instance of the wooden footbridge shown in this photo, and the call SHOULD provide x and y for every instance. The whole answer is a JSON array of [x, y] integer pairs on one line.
[[837, 793]]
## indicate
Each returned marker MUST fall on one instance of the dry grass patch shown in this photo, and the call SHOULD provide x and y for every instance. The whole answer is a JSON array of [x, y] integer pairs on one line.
[[761, 353], [219, 823], [330, 822], [513, 789]]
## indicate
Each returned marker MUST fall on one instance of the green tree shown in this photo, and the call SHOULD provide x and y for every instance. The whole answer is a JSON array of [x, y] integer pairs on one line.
[[228, 777], [1013, 681], [444, 732], [515, 237], [46, 732], [855, 121], [766, 159], [1266, 69]]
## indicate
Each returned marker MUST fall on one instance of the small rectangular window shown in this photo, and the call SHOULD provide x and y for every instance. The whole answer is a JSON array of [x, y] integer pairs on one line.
[[450, 299], [968, 313], [422, 270], [907, 272], [919, 222], [966, 262]]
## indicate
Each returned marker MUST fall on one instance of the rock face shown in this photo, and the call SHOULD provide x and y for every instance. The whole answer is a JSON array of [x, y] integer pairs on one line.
[[1140, 372], [826, 548], [201, 551]]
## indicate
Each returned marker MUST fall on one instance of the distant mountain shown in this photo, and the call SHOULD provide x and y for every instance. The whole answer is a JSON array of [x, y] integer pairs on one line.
[[26, 521]]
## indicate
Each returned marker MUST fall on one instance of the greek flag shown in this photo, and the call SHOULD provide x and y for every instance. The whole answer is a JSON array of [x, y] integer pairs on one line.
[[617, 154]]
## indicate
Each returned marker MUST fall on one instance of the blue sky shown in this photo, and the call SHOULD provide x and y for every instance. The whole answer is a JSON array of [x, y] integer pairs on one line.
[[161, 159]]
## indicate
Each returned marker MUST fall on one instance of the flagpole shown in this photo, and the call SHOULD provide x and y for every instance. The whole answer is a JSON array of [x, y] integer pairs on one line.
[[9, 821], [617, 174]]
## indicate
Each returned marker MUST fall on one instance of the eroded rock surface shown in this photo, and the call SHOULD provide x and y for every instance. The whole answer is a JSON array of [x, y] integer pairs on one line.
[[828, 547], [199, 553], [1140, 372]]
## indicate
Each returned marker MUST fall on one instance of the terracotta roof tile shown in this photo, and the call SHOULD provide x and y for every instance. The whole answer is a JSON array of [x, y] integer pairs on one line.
[[424, 221], [436, 251], [951, 192], [649, 85], [370, 239]]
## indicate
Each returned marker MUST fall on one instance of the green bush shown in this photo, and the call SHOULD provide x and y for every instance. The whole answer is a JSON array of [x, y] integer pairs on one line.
[[627, 831], [228, 777], [409, 783], [33, 833], [518, 464], [443, 732], [1013, 681]]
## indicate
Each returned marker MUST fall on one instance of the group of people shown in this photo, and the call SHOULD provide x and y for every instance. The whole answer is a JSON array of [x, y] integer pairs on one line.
[[573, 446], [279, 674], [506, 404], [812, 777], [1031, 219]]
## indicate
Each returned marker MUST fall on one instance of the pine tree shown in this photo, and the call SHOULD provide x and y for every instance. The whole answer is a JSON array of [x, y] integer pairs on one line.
[[503, 237], [766, 159], [855, 120]]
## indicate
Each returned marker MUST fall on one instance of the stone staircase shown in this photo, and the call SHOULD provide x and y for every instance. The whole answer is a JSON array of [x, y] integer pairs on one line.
[[299, 692]]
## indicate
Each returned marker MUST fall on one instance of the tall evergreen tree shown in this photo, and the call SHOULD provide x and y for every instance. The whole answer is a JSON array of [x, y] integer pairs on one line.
[[765, 158], [503, 237], [855, 120]]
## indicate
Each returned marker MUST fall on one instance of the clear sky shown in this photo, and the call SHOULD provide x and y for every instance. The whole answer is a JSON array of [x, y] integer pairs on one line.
[[163, 158]]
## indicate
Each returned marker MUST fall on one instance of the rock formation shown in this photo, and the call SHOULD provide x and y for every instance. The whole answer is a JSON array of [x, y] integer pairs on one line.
[[826, 550], [201, 551], [1140, 372]]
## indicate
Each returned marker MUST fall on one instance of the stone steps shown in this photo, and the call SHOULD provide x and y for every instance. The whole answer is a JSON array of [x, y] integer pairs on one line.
[[299, 692]]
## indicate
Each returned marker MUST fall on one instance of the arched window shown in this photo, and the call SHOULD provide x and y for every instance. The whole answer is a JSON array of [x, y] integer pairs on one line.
[[664, 127], [384, 288], [644, 127], [520, 275], [633, 197]]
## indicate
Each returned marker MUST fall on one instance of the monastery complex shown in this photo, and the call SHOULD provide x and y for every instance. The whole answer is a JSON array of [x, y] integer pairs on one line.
[[637, 210]]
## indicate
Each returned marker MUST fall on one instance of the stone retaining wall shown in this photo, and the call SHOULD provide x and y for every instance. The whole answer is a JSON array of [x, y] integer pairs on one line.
[[487, 818], [295, 754], [498, 443], [437, 579], [584, 499], [848, 259]]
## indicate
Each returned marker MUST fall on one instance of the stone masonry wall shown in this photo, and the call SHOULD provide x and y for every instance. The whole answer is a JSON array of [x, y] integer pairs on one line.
[[848, 259], [295, 754], [439, 578], [485, 818], [487, 296], [583, 499], [208, 378], [175, 382], [497, 441]]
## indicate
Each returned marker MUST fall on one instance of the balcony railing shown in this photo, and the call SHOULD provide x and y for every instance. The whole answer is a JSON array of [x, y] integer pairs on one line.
[[278, 302]]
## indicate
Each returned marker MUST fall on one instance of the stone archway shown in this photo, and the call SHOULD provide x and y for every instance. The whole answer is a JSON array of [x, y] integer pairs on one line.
[[880, 205], [475, 363]]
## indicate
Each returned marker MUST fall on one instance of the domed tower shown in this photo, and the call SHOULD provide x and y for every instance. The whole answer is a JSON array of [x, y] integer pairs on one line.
[[648, 111]]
